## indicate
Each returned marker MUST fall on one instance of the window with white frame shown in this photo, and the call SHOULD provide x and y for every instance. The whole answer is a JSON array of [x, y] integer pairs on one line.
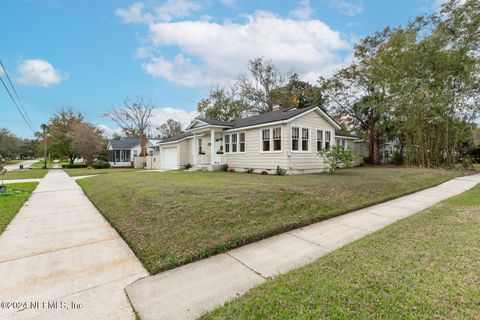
[[227, 143], [327, 139], [277, 139], [305, 139], [341, 143], [295, 138], [319, 140], [234, 142], [266, 140], [241, 141]]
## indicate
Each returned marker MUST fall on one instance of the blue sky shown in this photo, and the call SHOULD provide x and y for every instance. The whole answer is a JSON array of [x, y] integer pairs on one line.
[[92, 54]]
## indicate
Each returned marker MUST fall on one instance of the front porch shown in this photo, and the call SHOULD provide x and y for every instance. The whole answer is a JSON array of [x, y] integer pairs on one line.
[[207, 149]]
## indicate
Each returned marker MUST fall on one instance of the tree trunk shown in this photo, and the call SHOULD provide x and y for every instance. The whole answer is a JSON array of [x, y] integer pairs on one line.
[[376, 150]]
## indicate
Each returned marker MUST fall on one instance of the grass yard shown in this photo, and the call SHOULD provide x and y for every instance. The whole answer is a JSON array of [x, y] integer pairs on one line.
[[423, 267], [10, 162], [13, 200], [40, 163], [26, 174], [173, 218], [91, 171]]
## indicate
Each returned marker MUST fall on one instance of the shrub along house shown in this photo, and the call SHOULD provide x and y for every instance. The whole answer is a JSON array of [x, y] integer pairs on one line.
[[288, 138], [121, 152]]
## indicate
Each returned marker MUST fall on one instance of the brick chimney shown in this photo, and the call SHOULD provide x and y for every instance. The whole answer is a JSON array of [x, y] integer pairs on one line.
[[276, 107], [143, 142]]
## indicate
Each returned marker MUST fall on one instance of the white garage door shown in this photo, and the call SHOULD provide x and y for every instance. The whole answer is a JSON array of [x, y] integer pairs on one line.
[[169, 158]]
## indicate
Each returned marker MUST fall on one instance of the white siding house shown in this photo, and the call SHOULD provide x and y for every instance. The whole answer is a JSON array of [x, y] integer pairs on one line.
[[288, 138]]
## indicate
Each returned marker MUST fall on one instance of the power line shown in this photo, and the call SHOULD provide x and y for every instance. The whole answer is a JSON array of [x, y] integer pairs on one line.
[[16, 105], [16, 94]]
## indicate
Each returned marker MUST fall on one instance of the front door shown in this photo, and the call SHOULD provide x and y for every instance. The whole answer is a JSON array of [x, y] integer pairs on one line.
[[217, 147]]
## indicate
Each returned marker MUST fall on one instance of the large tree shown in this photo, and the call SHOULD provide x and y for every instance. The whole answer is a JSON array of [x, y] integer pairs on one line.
[[169, 129], [134, 117], [358, 93], [223, 103], [59, 127], [259, 86], [9, 144], [87, 141]]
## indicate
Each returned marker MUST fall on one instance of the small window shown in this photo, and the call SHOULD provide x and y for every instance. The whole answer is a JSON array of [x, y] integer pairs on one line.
[[200, 151], [241, 140], [234, 142], [319, 140], [227, 143], [327, 140], [305, 139], [277, 139], [343, 144], [295, 137], [266, 140], [135, 153]]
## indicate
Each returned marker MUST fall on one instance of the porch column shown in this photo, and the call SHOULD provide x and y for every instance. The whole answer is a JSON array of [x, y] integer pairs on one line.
[[194, 149], [212, 147]]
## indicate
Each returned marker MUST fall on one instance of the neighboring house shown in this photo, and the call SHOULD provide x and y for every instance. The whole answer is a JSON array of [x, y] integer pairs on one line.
[[121, 152], [287, 138], [386, 150]]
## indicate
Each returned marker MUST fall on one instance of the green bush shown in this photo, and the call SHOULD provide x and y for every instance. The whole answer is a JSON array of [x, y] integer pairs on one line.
[[188, 166], [74, 166], [225, 167], [335, 156], [101, 165], [280, 171], [397, 158]]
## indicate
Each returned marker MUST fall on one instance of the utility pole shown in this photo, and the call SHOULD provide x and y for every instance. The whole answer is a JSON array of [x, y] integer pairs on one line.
[[44, 127]]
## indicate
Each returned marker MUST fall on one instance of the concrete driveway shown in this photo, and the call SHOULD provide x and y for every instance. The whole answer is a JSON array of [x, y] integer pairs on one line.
[[60, 259]]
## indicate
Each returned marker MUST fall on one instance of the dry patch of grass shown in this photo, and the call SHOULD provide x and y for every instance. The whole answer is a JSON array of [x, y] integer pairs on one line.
[[173, 218]]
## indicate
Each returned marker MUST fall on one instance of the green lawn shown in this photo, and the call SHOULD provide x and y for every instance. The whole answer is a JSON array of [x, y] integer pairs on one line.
[[91, 171], [13, 200], [39, 164], [9, 162], [26, 174], [423, 267], [174, 218]]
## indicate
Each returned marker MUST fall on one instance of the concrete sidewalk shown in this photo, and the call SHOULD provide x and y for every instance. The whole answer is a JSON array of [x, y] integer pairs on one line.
[[188, 291], [60, 248]]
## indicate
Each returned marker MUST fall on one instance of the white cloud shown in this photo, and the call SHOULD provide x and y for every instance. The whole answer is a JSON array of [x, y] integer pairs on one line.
[[218, 52], [168, 11], [161, 115], [346, 7], [142, 53], [37, 72], [303, 12]]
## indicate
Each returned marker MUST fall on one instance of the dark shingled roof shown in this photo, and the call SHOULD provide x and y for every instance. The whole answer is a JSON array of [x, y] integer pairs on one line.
[[214, 122], [272, 116], [124, 143], [177, 137], [345, 134], [268, 117]]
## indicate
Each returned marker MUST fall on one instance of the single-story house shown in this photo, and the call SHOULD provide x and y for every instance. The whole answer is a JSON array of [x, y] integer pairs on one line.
[[121, 152], [289, 138]]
